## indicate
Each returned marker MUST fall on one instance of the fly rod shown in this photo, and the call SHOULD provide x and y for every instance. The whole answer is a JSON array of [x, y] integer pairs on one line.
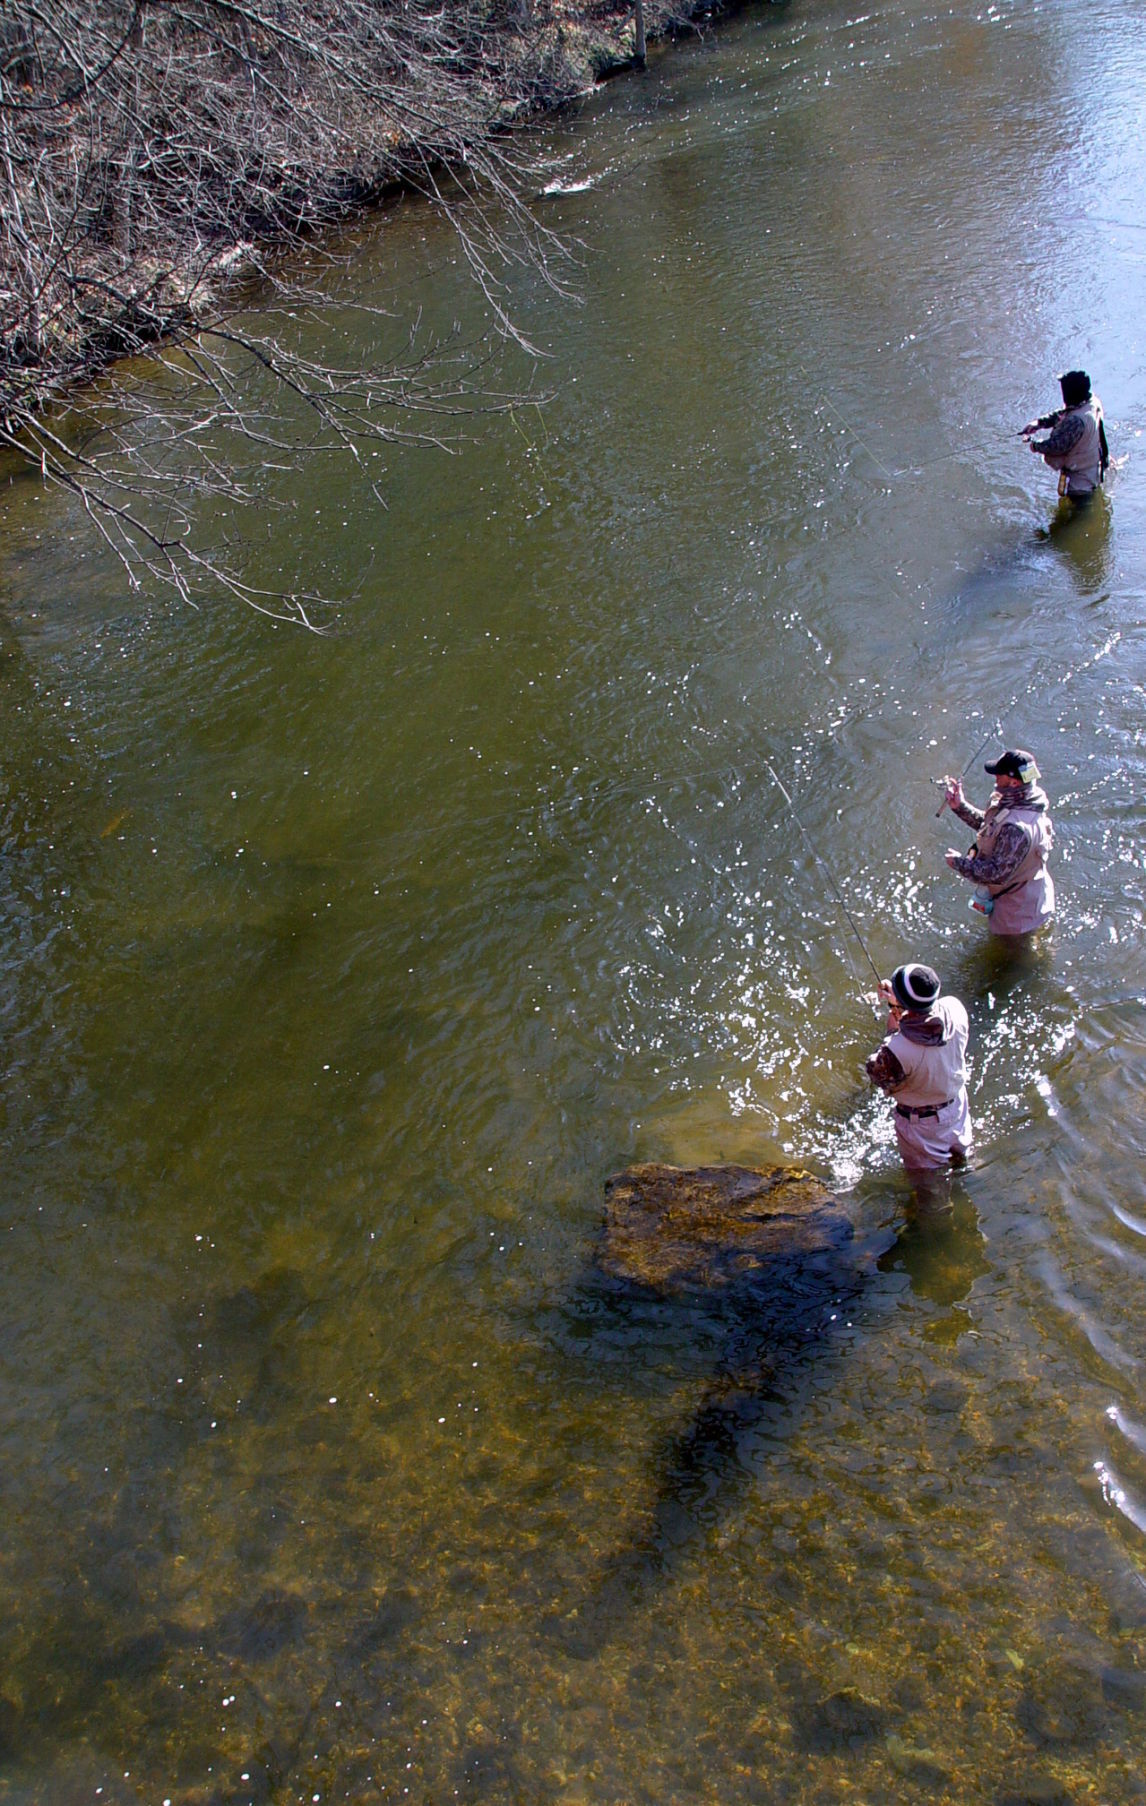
[[996, 728], [828, 873]]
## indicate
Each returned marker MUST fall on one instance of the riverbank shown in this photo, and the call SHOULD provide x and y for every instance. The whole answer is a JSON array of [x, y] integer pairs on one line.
[[148, 164]]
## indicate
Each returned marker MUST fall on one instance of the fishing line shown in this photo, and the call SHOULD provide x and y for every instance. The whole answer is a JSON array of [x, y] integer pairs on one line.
[[596, 792], [831, 407]]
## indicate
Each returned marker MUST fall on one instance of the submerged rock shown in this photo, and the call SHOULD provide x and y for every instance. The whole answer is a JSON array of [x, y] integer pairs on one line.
[[674, 1228]]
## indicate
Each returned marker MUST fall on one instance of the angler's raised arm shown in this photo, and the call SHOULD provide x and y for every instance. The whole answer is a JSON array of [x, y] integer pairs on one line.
[[1013, 839]]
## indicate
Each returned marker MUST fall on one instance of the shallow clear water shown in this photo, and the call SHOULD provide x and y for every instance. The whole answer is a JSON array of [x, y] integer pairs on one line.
[[339, 972]]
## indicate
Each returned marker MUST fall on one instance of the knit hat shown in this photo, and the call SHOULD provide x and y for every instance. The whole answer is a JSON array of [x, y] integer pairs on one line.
[[1014, 763], [1075, 386], [915, 987]]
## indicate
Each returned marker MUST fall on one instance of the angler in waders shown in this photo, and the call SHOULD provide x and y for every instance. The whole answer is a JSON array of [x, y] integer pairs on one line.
[[1013, 837], [922, 1064], [1076, 443]]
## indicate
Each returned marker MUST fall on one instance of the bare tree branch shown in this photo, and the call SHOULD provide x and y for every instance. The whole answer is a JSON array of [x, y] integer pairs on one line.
[[147, 147]]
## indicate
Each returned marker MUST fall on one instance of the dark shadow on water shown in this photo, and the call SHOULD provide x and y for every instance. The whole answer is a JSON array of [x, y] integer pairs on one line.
[[761, 1344], [1005, 968], [767, 1340]]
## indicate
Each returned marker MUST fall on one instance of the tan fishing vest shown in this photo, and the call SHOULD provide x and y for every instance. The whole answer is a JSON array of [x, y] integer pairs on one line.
[[1082, 464], [936, 1073], [1026, 901]]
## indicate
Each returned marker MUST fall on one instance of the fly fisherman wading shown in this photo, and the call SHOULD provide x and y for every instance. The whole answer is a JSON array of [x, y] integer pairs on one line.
[[922, 1064], [1014, 836], [1076, 444]]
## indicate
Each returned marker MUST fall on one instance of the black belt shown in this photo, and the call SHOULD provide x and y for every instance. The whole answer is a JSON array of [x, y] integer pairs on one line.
[[923, 1110]]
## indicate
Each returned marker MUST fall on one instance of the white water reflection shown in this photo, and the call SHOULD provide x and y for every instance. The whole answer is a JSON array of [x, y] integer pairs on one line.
[[1132, 1508]]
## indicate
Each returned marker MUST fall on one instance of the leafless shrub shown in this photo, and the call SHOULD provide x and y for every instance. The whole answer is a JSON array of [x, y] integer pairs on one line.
[[151, 151]]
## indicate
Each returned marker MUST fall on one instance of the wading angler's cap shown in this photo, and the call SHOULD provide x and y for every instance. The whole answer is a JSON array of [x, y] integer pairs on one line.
[[1014, 763], [915, 987]]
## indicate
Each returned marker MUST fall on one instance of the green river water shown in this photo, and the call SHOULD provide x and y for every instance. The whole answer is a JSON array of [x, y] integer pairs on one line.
[[338, 973]]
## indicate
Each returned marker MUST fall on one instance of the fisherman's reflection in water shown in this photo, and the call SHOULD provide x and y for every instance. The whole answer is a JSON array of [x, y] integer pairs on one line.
[[1080, 535], [941, 1247], [999, 975]]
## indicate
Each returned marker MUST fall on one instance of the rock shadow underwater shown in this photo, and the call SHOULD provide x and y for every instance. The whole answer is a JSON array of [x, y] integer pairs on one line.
[[755, 1266]]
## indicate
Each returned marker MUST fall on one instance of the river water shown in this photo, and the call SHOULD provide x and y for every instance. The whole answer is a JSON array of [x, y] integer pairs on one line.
[[339, 972]]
